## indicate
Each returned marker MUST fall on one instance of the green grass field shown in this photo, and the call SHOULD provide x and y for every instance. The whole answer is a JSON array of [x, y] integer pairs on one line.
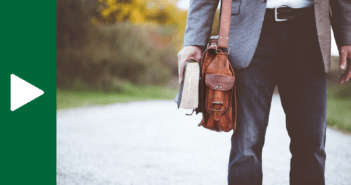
[[339, 107], [77, 98]]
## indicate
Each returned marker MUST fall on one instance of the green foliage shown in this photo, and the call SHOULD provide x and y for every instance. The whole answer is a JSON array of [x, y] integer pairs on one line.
[[345, 92], [160, 12], [73, 18], [339, 112], [339, 99], [102, 56]]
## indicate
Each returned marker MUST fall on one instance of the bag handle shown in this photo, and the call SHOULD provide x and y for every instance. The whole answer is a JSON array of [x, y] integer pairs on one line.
[[224, 25]]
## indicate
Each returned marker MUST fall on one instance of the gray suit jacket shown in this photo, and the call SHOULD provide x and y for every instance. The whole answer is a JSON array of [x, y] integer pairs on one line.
[[246, 23]]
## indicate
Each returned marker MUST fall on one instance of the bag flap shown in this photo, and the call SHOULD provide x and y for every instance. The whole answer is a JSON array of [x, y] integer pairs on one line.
[[219, 82]]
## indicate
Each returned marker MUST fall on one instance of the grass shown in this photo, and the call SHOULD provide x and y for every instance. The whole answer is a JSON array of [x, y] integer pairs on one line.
[[339, 99], [339, 107], [70, 98]]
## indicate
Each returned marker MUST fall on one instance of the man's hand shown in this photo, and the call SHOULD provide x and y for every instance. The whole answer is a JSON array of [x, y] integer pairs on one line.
[[345, 54], [188, 52]]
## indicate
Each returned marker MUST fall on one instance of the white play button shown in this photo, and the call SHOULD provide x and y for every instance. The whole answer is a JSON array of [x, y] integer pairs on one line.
[[22, 92]]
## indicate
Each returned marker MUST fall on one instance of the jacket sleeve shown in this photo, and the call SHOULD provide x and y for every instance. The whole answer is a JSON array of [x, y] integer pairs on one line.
[[341, 21], [199, 22]]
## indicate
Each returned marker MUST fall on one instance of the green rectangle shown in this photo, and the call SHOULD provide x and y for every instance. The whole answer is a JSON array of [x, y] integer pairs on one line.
[[28, 134]]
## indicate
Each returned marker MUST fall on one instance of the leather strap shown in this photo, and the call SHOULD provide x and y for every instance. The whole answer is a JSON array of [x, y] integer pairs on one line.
[[226, 13]]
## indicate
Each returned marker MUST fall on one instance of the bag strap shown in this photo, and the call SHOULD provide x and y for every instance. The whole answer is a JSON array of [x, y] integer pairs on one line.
[[224, 28]]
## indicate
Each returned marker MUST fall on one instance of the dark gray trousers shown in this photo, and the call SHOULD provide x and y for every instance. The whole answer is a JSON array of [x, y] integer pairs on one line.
[[287, 56]]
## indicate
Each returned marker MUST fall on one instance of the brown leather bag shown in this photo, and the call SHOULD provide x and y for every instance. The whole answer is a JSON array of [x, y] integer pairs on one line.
[[217, 86]]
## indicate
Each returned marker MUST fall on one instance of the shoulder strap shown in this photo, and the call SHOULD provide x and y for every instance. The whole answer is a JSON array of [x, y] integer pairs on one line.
[[226, 12]]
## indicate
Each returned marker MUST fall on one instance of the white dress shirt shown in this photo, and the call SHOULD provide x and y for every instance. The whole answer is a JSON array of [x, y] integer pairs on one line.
[[290, 3]]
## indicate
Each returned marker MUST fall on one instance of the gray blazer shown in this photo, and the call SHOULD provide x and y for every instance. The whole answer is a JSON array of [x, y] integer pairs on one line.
[[246, 23]]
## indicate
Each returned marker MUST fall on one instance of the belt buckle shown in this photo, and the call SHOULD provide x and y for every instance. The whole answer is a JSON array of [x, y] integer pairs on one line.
[[276, 14]]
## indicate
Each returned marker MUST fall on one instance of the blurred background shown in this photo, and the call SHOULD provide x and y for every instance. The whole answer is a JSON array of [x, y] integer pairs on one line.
[[120, 49]]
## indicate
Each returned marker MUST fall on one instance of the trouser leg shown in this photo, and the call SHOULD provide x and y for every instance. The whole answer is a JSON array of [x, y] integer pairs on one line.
[[304, 103], [303, 96], [302, 88], [255, 85]]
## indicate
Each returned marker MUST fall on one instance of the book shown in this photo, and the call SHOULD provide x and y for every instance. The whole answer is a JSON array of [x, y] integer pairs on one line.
[[188, 95]]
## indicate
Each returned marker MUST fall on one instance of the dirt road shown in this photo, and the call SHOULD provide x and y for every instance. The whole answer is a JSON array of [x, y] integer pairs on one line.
[[154, 143]]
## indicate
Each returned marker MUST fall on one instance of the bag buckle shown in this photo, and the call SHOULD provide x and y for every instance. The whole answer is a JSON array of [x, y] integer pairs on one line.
[[227, 48], [276, 14], [215, 45], [216, 102]]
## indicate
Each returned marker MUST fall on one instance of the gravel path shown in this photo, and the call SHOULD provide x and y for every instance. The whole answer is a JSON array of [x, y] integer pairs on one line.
[[153, 143]]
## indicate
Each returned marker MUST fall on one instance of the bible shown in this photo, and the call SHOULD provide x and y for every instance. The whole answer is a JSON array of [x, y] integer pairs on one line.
[[188, 95]]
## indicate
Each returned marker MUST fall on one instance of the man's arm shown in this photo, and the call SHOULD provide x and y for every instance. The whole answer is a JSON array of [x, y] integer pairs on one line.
[[199, 22], [197, 32], [341, 23]]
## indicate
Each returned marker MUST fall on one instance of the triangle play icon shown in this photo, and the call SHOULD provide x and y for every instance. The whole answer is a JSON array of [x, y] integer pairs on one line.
[[22, 92]]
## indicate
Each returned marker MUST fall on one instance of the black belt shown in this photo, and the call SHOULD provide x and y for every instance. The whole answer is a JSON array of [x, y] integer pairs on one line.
[[285, 13]]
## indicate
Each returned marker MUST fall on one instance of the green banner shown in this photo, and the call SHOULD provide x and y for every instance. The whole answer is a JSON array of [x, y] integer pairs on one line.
[[28, 133]]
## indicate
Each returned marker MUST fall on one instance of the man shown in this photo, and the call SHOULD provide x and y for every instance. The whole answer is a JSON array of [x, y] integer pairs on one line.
[[277, 43]]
